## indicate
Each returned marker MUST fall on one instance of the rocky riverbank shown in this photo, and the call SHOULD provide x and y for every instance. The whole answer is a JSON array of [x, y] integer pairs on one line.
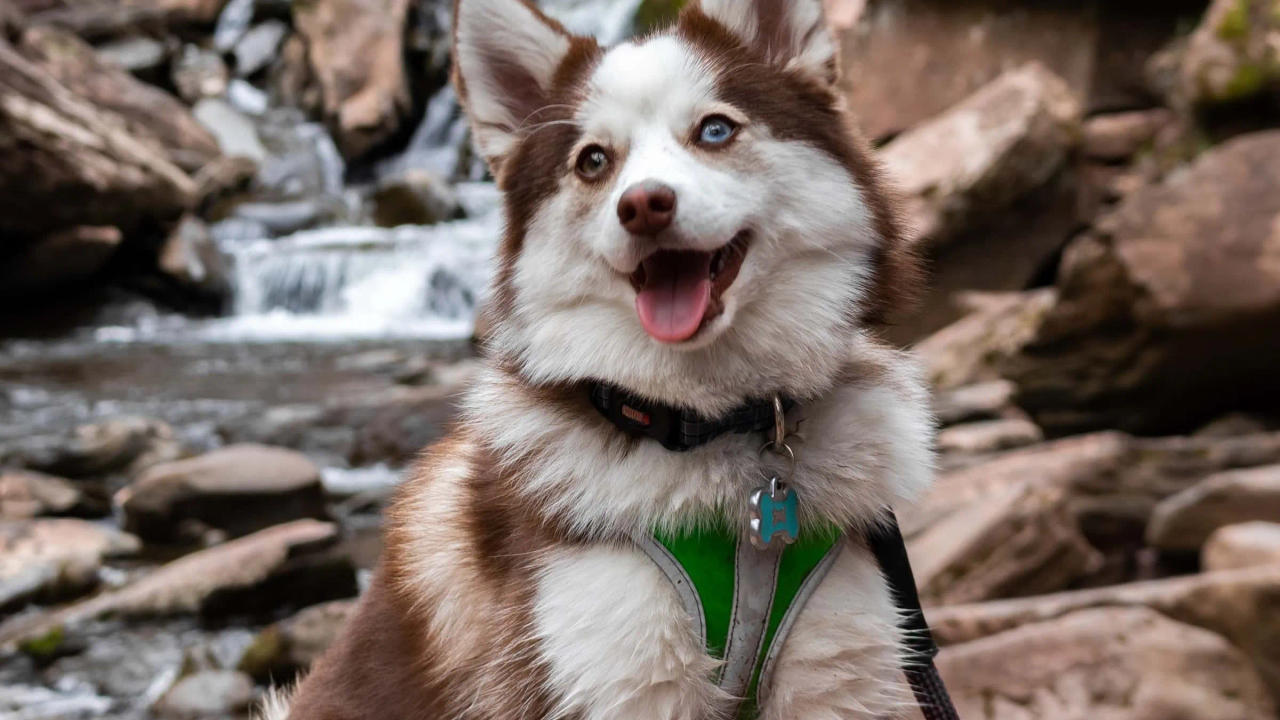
[[189, 507]]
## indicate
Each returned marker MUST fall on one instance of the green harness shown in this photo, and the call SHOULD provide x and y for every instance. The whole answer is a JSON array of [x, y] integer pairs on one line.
[[742, 599]]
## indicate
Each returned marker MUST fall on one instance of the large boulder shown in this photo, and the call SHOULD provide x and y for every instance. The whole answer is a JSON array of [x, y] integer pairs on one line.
[[356, 48], [59, 260], [234, 491], [26, 494], [61, 153], [975, 348], [1240, 546], [1233, 55], [1104, 664], [50, 560], [1178, 288], [1185, 520]]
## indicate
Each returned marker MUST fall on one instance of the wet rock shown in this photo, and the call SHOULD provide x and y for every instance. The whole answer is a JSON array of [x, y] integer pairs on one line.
[[1185, 520], [290, 647], [125, 180], [52, 559], [415, 197], [304, 162], [1237, 604], [1249, 544], [1006, 139], [258, 47], [59, 260], [1119, 136], [988, 436], [1021, 539], [147, 112], [291, 80], [234, 132], [246, 98], [356, 48], [281, 218], [980, 401], [223, 177], [1177, 288], [26, 494], [137, 55], [233, 22], [206, 694], [974, 348], [198, 74], [191, 259], [1233, 55], [125, 445], [234, 490], [1107, 663]]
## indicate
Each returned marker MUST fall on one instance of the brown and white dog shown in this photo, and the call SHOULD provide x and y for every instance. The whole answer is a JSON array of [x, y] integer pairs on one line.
[[690, 217]]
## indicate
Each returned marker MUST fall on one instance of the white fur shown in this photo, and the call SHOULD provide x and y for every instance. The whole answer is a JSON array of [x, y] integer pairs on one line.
[[806, 42], [617, 641]]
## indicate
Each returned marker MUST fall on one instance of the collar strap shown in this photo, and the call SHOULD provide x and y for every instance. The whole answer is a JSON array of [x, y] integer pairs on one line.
[[676, 428]]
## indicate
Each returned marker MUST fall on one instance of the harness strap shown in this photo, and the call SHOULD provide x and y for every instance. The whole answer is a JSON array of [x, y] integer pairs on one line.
[[886, 543]]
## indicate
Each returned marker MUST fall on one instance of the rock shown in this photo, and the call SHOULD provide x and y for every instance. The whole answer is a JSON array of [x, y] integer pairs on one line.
[[198, 74], [258, 47], [291, 80], [124, 445], [286, 566], [205, 694], [137, 54], [56, 144], [1003, 141], [147, 112], [416, 197], [233, 23], [356, 48], [246, 98], [12, 20], [1106, 664], [53, 559], [236, 490], [1237, 604], [976, 347], [1233, 55], [988, 436], [234, 132], [1179, 287], [98, 19], [980, 401], [291, 646], [26, 494], [60, 260], [304, 162], [1244, 545], [224, 177], [281, 218], [190, 259], [1185, 520], [1119, 136], [1022, 539]]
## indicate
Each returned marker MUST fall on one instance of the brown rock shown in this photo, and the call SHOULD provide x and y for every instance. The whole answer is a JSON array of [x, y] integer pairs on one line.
[[1179, 288], [416, 197], [1185, 520], [974, 348], [12, 20], [989, 436], [1233, 55], [291, 646], [1244, 545], [109, 18], [356, 49], [1238, 604], [1119, 136], [235, 490], [979, 401], [26, 494], [190, 259], [1104, 664], [205, 694], [124, 445], [59, 152], [59, 260], [1019, 540], [50, 560]]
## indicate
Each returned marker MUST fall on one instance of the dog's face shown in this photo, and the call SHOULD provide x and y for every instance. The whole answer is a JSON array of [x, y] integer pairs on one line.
[[689, 214]]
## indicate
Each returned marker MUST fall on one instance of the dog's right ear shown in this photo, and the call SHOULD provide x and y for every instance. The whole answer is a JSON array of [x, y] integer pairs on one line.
[[505, 56]]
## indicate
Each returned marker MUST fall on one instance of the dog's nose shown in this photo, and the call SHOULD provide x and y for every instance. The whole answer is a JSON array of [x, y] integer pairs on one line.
[[647, 208]]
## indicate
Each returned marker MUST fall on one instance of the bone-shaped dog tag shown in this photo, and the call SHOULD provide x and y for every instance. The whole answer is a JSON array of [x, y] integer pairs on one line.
[[775, 515]]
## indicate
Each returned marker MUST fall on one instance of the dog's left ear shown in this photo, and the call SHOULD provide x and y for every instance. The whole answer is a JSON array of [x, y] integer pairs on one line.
[[792, 34]]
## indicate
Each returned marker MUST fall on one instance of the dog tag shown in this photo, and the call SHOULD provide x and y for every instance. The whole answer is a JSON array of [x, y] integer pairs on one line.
[[775, 515]]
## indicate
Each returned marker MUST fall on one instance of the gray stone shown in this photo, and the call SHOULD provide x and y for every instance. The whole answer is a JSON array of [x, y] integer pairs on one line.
[[258, 47], [134, 54], [124, 445], [281, 218], [234, 132], [53, 559], [205, 694]]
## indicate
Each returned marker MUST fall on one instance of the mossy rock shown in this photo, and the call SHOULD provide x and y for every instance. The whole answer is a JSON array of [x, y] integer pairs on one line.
[[656, 14], [45, 647]]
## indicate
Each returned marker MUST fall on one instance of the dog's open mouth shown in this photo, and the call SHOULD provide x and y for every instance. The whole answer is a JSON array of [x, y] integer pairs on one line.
[[679, 291]]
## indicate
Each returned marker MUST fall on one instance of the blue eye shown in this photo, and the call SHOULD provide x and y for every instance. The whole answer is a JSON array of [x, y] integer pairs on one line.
[[716, 130]]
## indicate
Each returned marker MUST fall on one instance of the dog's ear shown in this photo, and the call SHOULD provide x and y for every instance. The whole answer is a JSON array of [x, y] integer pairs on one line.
[[505, 56], [792, 34]]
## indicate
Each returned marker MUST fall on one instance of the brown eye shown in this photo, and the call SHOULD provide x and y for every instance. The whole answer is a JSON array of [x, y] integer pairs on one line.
[[592, 162]]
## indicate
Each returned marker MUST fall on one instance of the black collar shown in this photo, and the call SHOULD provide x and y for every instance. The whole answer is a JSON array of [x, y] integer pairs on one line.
[[676, 428]]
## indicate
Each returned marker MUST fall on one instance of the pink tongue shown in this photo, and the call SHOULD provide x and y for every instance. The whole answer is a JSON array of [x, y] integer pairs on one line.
[[676, 292]]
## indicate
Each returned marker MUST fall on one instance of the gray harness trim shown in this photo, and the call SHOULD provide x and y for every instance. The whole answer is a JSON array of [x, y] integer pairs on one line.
[[679, 579], [807, 589], [753, 569]]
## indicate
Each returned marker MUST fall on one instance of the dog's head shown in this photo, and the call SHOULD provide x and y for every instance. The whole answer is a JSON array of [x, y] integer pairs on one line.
[[689, 215]]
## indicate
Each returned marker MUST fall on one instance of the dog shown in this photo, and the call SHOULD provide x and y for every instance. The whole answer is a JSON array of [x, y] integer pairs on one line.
[[692, 221]]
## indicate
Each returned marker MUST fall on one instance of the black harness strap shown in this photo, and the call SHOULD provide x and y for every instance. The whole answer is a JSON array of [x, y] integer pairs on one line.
[[890, 550]]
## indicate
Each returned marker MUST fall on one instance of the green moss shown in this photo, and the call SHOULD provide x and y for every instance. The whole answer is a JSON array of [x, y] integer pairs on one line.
[[1235, 23], [43, 648], [263, 654], [655, 14], [1249, 80]]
